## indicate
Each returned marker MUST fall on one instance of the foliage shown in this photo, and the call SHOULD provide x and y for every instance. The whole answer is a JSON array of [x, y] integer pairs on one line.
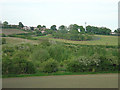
[[98, 30], [58, 52], [20, 25], [17, 65], [72, 36], [50, 66], [53, 27], [27, 58], [40, 55], [3, 41], [3, 35]]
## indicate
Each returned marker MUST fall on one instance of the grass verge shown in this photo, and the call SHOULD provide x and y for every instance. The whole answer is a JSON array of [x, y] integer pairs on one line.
[[57, 73]]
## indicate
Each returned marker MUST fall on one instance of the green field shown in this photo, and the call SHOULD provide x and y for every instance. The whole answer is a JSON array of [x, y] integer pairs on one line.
[[14, 41], [12, 31], [104, 40]]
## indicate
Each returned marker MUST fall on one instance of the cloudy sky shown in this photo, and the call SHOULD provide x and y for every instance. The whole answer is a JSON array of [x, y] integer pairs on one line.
[[60, 12]]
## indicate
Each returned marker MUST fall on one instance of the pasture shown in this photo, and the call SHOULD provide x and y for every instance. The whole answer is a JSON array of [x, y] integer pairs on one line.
[[12, 31], [104, 40], [14, 41], [65, 81]]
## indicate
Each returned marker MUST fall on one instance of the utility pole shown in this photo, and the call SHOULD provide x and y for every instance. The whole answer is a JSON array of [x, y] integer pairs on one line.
[[85, 25]]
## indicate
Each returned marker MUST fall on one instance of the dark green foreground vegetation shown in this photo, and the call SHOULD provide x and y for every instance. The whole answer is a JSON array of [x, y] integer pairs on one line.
[[52, 57]]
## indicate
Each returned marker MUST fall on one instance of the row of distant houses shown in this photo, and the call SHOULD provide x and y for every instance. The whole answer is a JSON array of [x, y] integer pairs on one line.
[[34, 28]]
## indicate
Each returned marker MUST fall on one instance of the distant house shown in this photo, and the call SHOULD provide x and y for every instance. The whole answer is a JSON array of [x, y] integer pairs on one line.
[[26, 28], [113, 33], [35, 28], [42, 32]]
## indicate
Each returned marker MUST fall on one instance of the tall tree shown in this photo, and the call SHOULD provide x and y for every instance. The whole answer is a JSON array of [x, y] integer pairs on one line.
[[53, 27], [63, 29], [73, 28], [81, 29], [5, 24], [20, 25], [39, 26]]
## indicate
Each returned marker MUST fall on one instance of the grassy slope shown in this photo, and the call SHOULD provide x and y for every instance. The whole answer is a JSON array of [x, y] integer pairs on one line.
[[12, 31], [104, 40], [13, 41]]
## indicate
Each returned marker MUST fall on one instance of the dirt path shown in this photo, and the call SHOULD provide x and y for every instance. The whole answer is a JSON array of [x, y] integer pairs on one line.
[[66, 81]]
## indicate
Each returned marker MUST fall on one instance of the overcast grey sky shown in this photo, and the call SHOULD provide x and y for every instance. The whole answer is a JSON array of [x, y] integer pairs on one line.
[[61, 12]]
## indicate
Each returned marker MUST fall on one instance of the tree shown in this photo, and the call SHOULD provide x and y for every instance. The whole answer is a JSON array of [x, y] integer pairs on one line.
[[63, 29], [43, 27], [98, 30], [32, 28], [81, 29], [73, 28], [53, 27], [5, 24], [50, 66], [20, 25], [117, 31], [39, 26]]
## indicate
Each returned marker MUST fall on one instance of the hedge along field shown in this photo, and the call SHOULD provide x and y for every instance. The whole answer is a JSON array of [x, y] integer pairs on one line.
[[104, 40]]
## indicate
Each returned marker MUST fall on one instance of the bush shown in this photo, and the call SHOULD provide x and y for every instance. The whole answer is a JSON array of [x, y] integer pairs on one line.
[[78, 65], [108, 63], [50, 66], [3, 35], [72, 36], [3, 41], [40, 55], [17, 66], [58, 52]]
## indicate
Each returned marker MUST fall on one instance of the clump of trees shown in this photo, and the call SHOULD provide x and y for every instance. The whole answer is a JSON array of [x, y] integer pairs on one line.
[[98, 30], [90, 64]]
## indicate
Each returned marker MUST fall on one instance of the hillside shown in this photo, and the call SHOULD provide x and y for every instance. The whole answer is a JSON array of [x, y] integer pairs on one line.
[[104, 40], [12, 31]]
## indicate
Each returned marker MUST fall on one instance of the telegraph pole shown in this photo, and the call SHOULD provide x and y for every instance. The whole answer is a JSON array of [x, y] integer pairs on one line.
[[85, 25]]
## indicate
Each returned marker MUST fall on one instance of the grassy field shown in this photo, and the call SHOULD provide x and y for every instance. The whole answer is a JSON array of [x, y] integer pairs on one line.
[[104, 40], [12, 31], [15, 41]]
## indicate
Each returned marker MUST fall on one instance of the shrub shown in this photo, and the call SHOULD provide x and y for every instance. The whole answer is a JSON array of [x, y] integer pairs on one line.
[[17, 66], [58, 52], [40, 55], [50, 66], [3, 35], [3, 41], [78, 65]]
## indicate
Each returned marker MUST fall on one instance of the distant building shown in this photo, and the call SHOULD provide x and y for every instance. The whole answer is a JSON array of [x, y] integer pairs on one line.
[[113, 33], [35, 28], [42, 32], [26, 28]]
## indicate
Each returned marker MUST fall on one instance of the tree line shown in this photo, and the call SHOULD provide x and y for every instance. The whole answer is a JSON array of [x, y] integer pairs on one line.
[[63, 28]]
